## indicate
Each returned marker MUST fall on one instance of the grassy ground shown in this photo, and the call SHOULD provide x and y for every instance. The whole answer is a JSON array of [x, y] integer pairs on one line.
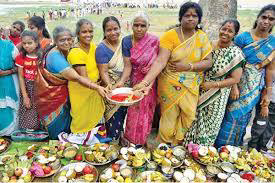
[[160, 19]]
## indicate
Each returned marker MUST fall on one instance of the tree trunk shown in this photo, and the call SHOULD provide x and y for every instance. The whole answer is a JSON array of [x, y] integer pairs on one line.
[[214, 13]]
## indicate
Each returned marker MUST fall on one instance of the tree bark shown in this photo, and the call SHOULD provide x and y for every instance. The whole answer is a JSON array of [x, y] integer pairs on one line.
[[214, 13]]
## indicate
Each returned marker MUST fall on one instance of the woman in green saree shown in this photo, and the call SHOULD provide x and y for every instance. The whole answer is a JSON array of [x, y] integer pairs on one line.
[[226, 71]]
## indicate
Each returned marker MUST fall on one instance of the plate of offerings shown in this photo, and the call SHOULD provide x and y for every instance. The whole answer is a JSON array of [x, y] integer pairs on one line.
[[100, 154], [124, 96], [76, 172]]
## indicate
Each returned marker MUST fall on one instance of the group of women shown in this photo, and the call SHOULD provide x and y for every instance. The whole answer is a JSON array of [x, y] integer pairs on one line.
[[206, 90]]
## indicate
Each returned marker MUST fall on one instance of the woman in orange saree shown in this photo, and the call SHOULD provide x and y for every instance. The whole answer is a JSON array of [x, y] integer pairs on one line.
[[184, 54]]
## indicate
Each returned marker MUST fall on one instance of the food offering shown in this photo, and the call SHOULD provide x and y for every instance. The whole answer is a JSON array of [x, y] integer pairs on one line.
[[14, 169], [166, 156], [65, 150], [191, 172], [45, 167], [229, 153], [228, 168], [124, 96], [203, 154], [100, 154], [4, 144], [256, 163], [135, 157], [151, 176], [76, 172], [117, 173]]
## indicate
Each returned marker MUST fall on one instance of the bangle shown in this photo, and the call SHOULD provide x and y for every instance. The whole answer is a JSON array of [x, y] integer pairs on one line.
[[269, 87], [218, 84], [145, 83], [191, 67]]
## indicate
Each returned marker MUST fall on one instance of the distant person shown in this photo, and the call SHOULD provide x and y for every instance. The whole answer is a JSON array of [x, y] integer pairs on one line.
[[51, 14], [15, 30], [43, 15]]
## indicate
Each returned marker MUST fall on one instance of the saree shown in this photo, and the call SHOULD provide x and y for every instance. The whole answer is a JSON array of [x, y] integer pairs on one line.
[[9, 89], [140, 116], [114, 114], [178, 91], [212, 103], [87, 106], [238, 112], [52, 97]]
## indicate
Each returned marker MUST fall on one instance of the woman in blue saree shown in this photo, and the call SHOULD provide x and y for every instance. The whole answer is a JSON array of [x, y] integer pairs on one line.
[[9, 93], [110, 64], [258, 47]]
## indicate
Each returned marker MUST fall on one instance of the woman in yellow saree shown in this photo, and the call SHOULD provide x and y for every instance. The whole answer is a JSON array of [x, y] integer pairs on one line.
[[184, 54], [87, 105]]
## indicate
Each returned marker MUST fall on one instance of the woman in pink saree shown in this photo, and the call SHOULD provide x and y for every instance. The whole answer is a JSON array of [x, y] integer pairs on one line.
[[139, 51]]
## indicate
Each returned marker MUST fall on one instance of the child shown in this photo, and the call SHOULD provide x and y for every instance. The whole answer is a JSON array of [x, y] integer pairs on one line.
[[27, 62], [16, 29]]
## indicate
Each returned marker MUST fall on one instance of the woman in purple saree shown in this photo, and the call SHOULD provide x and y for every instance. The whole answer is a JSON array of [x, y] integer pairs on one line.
[[139, 51]]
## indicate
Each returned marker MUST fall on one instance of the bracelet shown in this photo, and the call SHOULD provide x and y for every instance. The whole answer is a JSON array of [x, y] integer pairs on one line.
[[269, 87], [218, 84], [191, 67], [145, 83]]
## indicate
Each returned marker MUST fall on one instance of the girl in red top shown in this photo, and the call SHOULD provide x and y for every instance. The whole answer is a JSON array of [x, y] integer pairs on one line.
[[27, 62]]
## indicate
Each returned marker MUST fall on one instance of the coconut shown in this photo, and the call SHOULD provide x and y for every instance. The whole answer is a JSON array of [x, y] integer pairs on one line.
[[78, 168], [52, 159], [124, 150], [203, 150], [132, 150], [222, 176], [190, 174], [178, 176], [62, 179], [125, 156], [184, 180], [71, 174], [109, 173], [231, 180], [103, 178]]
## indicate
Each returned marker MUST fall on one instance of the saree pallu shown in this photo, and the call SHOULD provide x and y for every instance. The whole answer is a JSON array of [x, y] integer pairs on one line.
[[52, 100], [212, 103], [178, 91], [9, 90], [238, 112], [140, 116], [115, 114]]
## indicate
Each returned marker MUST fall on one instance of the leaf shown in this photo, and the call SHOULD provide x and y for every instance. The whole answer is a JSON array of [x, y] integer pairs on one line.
[[64, 161]]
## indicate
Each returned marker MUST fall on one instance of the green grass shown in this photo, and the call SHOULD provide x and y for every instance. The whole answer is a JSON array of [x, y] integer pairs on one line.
[[160, 19]]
